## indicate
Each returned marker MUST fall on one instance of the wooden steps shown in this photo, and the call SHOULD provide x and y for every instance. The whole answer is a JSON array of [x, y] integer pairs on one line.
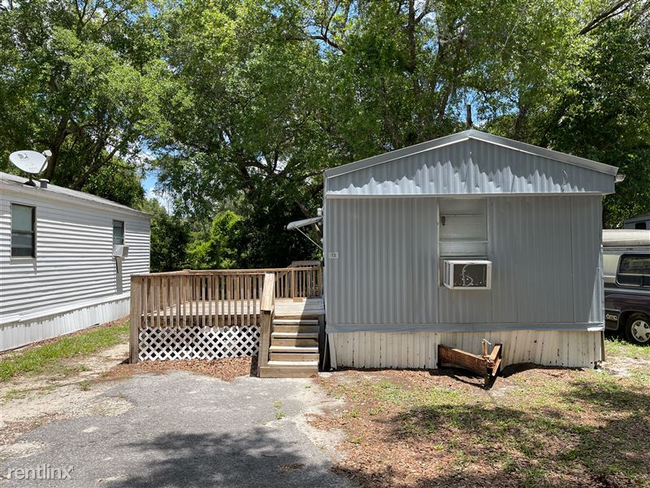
[[294, 348]]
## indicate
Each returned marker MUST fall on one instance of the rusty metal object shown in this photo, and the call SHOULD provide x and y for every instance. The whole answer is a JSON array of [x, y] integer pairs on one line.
[[486, 365]]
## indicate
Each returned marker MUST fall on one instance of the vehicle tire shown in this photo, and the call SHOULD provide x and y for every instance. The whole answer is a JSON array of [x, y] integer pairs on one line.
[[637, 329]]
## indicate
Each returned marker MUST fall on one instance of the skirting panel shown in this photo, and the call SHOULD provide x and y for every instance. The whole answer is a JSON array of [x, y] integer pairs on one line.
[[169, 343], [419, 350], [22, 333]]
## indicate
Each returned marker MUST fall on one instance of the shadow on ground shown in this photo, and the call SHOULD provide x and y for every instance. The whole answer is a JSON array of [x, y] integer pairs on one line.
[[254, 458], [594, 433]]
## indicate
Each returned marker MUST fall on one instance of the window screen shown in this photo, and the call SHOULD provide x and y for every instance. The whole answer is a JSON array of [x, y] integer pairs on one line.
[[634, 270], [118, 233], [23, 236], [463, 227]]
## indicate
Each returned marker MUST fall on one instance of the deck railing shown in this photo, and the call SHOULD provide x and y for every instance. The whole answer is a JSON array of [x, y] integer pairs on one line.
[[213, 298]]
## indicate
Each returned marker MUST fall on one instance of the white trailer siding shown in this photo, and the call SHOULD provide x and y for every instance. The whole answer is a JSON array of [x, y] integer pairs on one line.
[[419, 350], [72, 282]]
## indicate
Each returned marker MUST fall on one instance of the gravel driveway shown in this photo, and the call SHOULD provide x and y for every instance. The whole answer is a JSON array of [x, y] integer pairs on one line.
[[182, 429]]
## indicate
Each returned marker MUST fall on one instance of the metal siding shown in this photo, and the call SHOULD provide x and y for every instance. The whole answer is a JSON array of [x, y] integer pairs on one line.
[[387, 266], [531, 253], [586, 221], [74, 255], [22, 333], [469, 167], [545, 252], [419, 350]]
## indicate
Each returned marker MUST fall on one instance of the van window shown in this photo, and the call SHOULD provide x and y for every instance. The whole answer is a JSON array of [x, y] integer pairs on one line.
[[634, 270]]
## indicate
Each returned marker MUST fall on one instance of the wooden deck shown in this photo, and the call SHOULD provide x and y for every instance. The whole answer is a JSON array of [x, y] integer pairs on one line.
[[223, 313]]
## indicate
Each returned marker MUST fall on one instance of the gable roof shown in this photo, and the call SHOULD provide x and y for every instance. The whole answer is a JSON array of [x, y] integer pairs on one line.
[[471, 162], [479, 136], [16, 184]]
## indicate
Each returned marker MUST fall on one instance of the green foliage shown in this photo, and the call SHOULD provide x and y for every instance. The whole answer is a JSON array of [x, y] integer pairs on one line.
[[73, 80], [245, 103], [222, 247], [605, 115], [118, 183], [169, 239]]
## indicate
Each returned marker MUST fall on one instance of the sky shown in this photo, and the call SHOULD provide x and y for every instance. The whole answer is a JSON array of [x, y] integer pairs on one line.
[[149, 185]]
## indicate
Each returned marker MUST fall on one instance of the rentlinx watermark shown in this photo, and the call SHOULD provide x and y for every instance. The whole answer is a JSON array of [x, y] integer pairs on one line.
[[40, 472]]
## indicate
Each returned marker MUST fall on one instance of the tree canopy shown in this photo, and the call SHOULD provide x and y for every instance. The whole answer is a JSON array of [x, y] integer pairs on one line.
[[243, 103]]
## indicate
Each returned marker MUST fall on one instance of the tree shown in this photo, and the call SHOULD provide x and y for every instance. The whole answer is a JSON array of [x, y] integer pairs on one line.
[[223, 247], [117, 182], [73, 79], [169, 239], [605, 113]]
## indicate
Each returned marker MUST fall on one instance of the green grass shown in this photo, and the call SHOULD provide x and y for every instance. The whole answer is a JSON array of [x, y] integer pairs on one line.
[[49, 355], [578, 427], [619, 347]]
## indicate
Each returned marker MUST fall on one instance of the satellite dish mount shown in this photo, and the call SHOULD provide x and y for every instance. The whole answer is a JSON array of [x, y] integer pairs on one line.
[[31, 162]]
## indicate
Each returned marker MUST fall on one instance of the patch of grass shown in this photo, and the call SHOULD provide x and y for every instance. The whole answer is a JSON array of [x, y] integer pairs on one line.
[[279, 414], [17, 394], [559, 428], [84, 385], [620, 348], [352, 413], [48, 355]]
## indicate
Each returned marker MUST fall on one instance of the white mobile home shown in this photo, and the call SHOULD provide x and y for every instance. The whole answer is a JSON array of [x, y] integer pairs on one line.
[[66, 258], [460, 239]]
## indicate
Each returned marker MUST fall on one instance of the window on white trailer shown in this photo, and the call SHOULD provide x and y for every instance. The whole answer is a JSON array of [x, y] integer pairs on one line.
[[463, 229], [118, 233], [23, 231]]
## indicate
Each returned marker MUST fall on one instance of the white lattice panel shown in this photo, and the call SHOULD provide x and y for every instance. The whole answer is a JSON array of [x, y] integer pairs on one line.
[[169, 343]]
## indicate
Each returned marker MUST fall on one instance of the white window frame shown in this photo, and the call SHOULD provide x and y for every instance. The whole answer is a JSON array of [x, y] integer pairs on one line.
[[34, 232]]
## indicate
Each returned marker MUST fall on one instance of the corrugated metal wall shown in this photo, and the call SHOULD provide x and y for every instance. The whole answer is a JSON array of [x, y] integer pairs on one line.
[[546, 266], [469, 167], [420, 349], [74, 255], [25, 332]]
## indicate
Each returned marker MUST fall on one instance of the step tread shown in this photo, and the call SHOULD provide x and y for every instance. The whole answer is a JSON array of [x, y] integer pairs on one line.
[[296, 321], [295, 335], [297, 364], [300, 349], [302, 318], [296, 328], [294, 356]]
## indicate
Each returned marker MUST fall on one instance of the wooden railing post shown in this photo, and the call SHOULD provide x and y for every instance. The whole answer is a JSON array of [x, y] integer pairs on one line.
[[135, 317], [267, 311]]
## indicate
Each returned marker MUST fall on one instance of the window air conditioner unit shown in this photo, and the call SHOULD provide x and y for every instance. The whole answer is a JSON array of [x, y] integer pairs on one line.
[[120, 251], [467, 274]]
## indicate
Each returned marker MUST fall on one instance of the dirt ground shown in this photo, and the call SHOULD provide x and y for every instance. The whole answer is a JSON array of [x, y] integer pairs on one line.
[[534, 427]]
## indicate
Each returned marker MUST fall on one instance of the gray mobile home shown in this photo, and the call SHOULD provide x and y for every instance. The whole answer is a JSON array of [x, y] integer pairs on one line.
[[460, 239]]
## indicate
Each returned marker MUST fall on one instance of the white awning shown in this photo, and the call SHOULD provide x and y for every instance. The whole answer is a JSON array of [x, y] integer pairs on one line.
[[303, 223]]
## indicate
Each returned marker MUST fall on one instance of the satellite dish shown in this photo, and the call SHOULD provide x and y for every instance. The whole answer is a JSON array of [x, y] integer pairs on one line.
[[30, 162]]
